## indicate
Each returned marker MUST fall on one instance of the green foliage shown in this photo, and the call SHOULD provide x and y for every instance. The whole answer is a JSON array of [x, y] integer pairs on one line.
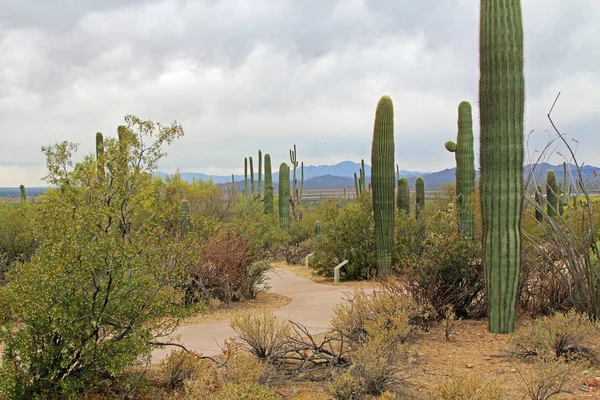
[[501, 104], [17, 241], [347, 233], [100, 154], [98, 291], [382, 179]]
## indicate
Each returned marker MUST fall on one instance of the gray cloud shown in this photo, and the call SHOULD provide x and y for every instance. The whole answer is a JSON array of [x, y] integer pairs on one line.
[[242, 75]]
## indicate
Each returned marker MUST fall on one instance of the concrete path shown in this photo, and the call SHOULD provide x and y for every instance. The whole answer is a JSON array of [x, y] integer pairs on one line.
[[312, 305]]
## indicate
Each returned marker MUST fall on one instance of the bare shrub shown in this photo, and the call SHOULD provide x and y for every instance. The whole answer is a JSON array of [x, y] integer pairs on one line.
[[571, 336], [550, 378], [470, 387], [262, 333], [179, 367]]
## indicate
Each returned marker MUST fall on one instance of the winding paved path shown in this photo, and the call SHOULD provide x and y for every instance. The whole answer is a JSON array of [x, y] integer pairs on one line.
[[312, 305]]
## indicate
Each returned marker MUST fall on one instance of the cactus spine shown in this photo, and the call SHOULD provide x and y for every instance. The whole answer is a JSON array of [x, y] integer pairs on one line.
[[419, 195], [268, 186], [501, 104], [284, 197], [552, 194], [245, 176], [403, 195], [259, 174], [100, 153], [465, 169], [382, 179]]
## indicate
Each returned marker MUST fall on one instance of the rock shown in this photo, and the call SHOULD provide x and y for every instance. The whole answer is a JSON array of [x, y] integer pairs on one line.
[[595, 382], [469, 365]]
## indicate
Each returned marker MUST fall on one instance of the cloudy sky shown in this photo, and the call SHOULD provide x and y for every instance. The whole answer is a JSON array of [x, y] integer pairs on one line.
[[240, 75]]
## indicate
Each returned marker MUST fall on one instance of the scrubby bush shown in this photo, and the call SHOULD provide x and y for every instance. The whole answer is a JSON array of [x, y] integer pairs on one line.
[[180, 366], [551, 377], [444, 269], [470, 387], [262, 333], [348, 234], [17, 240], [571, 336]]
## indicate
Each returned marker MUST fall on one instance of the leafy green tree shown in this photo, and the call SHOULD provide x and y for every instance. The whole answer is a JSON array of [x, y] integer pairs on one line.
[[98, 294]]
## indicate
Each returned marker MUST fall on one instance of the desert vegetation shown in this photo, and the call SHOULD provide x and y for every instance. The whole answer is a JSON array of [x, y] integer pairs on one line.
[[104, 266]]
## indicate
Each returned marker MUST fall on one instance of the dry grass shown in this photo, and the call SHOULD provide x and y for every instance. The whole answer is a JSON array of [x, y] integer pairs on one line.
[[221, 312]]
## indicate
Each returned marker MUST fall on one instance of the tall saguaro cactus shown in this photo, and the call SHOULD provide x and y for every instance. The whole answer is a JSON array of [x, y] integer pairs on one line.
[[259, 173], [268, 186], [419, 195], [403, 195], [100, 153], [539, 204], [552, 194], [501, 104], [251, 176], [294, 163], [245, 176], [382, 179], [356, 185], [465, 169], [23, 195], [284, 197]]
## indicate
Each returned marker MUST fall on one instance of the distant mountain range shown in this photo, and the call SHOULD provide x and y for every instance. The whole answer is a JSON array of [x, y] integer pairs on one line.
[[341, 176]]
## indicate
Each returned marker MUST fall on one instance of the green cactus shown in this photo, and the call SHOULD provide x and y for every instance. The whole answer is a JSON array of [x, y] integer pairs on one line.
[[539, 202], [363, 179], [403, 195], [465, 169], [251, 176], [259, 174], [294, 200], [100, 153], [23, 195], [284, 197], [268, 186], [302, 180], [552, 194], [382, 179], [565, 192], [356, 185], [419, 196], [317, 228], [245, 176], [501, 104]]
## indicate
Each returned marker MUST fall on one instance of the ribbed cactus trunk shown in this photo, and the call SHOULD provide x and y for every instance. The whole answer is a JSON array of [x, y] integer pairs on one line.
[[501, 104], [465, 169], [419, 196], [284, 197], [100, 154], [552, 194], [260, 191], [268, 186], [382, 179], [317, 228], [403, 195], [539, 204], [356, 185]]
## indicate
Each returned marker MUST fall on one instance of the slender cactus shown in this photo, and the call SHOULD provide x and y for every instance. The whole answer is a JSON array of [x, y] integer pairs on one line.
[[100, 154], [382, 179], [403, 195], [245, 176], [251, 176], [539, 204], [552, 194], [501, 105], [363, 179], [419, 196], [284, 197], [23, 195], [465, 169], [317, 228], [294, 163], [260, 174], [356, 185], [268, 186], [302, 180], [233, 195]]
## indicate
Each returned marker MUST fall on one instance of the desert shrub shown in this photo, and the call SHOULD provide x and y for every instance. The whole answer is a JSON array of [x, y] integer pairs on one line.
[[571, 336], [262, 333], [349, 235], [262, 231], [551, 377], [447, 271], [249, 391], [180, 366], [17, 240], [226, 268], [294, 253], [470, 387]]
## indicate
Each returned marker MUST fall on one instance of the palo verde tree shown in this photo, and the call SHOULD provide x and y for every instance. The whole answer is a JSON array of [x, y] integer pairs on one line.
[[99, 292]]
